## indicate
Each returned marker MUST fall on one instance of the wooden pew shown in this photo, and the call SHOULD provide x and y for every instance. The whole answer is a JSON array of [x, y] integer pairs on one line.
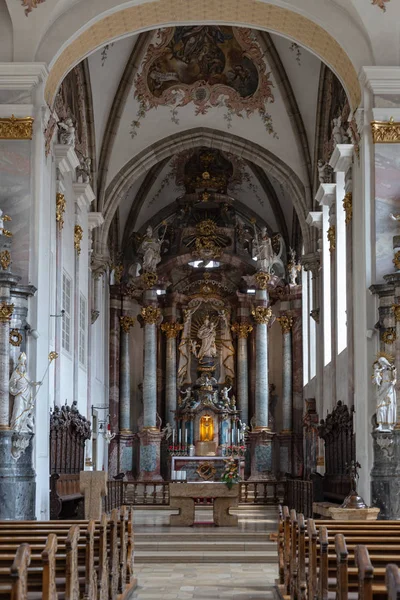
[[392, 581]]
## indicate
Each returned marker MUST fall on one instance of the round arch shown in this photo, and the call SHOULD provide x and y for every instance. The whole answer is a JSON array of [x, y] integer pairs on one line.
[[194, 138], [247, 13]]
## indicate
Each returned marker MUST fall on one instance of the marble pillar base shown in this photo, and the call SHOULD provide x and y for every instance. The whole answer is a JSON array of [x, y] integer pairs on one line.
[[125, 454], [17, 478], [150, 442], [385, 474], [261, 451], [285, 452]]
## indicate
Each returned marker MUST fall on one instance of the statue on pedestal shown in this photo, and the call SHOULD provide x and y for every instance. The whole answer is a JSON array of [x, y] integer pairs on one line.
[[66, 134], [207, 333], [264, 252], [21, 388], [384, 377], [151, 250]]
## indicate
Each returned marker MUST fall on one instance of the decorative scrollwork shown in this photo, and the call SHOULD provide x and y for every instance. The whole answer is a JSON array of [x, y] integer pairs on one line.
[[396, 260], [126, 323], [331, 235], [78, 235], [171, 329], [15, 337], [286, 323], [389, 336], [385, 132], [5, 259], [6, 311], [150, 314], [16, 129], [242, 330], [262, 315], [60, 209], [348, 207], [262, 279]]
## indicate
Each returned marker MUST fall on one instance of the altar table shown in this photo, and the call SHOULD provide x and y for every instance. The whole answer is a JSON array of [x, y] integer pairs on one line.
[[183, 495]]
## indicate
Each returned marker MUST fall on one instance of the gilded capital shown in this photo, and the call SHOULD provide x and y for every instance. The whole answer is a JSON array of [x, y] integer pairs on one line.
[[396, 311], [348, 206], [150, 314], [262, 279], [78, 235], [6, 311], [331, 235], [16, 129], [60, 209], [286, 323], [171, 329], [385, 132], [149, 279], [242, 330], [126, 323], [262, 315]]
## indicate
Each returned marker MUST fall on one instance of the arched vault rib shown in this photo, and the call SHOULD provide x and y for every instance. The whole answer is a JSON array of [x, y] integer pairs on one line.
[[194, 138]]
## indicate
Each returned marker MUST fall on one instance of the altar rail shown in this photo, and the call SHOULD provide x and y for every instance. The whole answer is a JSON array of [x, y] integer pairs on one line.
[[156, 493], [299, 496]]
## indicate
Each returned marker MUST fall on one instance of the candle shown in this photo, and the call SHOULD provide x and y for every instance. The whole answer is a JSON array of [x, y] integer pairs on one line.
[[185, 435], [173, 437]]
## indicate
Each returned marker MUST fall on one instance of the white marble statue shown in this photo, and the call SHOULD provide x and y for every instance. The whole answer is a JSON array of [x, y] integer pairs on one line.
[[206, 333], [193, 347], [21, 387], [293, 267], [384, 377], [243, 429], [187, 394], [224, 394], [83, 171], [66, 134], [324, 172], [264, 252], [151, 250], [167, 431], [338, 132]]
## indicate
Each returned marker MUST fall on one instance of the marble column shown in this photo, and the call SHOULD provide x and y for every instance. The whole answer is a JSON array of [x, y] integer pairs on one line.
[[125, 376], [262, 316], [150, 436], [115, 346], [171, 330], [242, 330], [6, 311], [286, 323]]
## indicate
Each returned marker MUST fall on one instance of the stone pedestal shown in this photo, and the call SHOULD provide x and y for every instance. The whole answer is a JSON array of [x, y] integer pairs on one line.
[[182, 497], [261, 444], [17, 479], [150, 441], [93, 485], [385, 474], [125, 454], [354, 514]]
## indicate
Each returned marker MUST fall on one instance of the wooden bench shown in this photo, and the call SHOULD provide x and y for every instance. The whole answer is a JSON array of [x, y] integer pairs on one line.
[[66, 500]]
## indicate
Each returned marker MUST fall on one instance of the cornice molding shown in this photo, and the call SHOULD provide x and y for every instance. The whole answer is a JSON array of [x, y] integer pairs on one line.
[[84, 195], [66, 158], [381, 80], [342, 157], [22, 76], [95, 219], [314, 219], [326, 194]]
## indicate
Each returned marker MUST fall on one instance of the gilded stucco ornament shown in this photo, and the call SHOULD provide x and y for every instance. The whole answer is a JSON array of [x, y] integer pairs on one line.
[[126, 323], [171, 329], [262, 279], [5, 259], [78, 235], [16, 129], [331, 235], [385, 132], [149, 279], [396, 260], [286, 323], [314, 314], [15, 337], [30, 5], [60, 209], [150, 314], [6, 310], [389, 336], [262, 315], [242, 330], [396, 311], [348, 207]]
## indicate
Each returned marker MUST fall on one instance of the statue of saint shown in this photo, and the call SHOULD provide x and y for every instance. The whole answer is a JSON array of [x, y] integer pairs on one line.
[[66, 133], [21, 388], [384, 376], [264, 251], [151, 250], [167, 431], [206, 334]]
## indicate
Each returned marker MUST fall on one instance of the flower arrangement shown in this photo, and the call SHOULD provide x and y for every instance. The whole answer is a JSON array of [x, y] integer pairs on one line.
[[231, 473], [235, 451]]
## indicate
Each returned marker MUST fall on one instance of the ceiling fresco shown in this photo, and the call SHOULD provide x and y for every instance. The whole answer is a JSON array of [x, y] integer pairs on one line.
[[208, 66]]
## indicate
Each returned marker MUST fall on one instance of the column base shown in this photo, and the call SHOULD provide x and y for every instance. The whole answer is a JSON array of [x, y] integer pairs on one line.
[[125, 453], [285, 440], [17, 477], [150, 442], [261, 452]]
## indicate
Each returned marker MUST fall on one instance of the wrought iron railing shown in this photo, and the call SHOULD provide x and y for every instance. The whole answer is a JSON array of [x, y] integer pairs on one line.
[[299, 495]]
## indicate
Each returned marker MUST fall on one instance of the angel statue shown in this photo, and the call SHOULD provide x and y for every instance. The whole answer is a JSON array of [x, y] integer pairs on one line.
[[66, 133], [186, 394], [384, 377], [224, 394], [338, 132], [151, 250], [167, 431], [193, 347], [21, 388], [293, 267]]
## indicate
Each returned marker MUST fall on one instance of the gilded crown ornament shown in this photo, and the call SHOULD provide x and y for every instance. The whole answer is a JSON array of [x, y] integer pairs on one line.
[[262, 314], [262, 279], [331, 235], [348, 207], [60, 209], [385, 132], [396, 311], [5, 259], [242, 330], [126, 323], [171, 329], [286, 323], [16, 129], [6, 311], [150, 314], [78, 235]]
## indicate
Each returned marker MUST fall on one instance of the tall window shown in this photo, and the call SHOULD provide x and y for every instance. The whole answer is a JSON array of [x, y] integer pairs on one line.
[[82, 330], [66, 305]]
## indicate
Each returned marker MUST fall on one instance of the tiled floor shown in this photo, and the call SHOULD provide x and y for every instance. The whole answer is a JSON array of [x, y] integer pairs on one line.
[[225, 578]]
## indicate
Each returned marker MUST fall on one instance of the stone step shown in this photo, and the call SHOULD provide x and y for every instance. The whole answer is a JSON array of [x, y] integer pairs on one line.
[[205, 557], [229, 546]]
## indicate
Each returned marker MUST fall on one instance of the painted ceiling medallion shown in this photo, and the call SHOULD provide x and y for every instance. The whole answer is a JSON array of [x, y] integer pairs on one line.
[[380, 3], [30, 5], [208, 66]]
